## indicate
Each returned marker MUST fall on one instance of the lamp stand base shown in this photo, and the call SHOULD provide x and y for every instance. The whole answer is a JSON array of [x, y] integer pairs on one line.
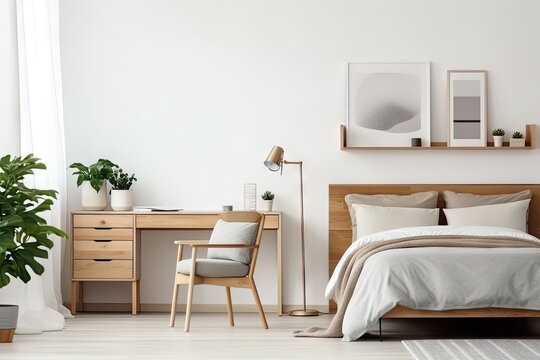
[[307, 312]]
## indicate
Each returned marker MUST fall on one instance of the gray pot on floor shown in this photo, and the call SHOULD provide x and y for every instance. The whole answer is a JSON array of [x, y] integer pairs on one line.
[[8, 322]]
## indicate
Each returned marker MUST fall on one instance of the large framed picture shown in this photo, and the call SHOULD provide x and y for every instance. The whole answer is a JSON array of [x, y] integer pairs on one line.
[[468, 107], [388, 104]]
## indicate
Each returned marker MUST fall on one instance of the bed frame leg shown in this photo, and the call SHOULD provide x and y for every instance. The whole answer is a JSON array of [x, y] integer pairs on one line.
[[380, 329]]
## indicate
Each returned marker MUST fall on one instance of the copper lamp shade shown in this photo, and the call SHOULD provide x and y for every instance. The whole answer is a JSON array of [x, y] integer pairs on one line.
[[274, 159]]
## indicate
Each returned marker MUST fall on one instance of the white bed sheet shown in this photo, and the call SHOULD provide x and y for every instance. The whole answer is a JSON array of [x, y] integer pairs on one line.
[[437, 278]]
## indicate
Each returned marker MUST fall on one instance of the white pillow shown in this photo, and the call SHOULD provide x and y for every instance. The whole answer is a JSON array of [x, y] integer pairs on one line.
[[372, 219], [510, 215]]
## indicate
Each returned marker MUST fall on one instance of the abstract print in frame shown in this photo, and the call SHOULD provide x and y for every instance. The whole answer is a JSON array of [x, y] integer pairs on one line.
[[389, 103], [468, 107]]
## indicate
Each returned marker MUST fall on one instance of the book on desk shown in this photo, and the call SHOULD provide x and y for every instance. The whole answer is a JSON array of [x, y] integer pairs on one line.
[[156, 208]]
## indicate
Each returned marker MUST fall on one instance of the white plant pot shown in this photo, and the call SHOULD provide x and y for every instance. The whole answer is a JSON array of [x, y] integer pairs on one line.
[[8, 322], [122, 200], [91, 199], [517, 142], [266, 205], [498, 141]]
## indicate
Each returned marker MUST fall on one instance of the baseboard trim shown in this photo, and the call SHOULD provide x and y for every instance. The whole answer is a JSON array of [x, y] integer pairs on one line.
[[200, 308]]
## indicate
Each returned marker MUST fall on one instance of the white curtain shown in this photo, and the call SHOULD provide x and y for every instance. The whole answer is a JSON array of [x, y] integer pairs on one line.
[[42, 133]]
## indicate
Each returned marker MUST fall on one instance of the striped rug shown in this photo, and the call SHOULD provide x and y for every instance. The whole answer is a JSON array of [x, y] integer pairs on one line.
[[495, 349]]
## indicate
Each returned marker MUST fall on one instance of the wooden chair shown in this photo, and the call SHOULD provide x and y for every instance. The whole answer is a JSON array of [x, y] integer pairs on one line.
[[222, 272]]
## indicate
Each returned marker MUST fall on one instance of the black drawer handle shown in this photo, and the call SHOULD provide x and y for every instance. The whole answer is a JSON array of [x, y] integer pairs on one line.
[[102, 259], [103, 228], [102, 240]]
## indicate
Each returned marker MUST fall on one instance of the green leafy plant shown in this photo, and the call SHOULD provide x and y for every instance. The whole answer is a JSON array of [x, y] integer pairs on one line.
[[24, 235], [498, 132], [96, 173], [121, 180], [267, 195], [517, 135]]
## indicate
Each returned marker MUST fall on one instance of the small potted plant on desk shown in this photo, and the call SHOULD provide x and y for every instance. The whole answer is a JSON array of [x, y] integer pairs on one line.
[[517, 140], [121, 193], [498, 136], [24, 235], [92, 179], [267, 201]]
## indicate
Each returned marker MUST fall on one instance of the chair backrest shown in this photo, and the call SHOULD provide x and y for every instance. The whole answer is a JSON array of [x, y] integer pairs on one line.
[[237, 227]]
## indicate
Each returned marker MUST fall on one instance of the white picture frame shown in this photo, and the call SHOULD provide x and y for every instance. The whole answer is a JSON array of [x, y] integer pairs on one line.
[[388, 104], [467, 98]]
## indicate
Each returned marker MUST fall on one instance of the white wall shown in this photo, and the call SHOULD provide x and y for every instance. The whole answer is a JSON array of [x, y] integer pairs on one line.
[[191, 95], [9, 80]]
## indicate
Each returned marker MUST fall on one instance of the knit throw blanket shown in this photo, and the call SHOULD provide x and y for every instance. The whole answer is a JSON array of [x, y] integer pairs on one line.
[[349, 276]]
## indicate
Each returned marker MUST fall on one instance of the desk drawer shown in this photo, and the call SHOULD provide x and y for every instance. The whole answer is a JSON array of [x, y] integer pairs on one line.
[[271, 222], [100, 249], [102, 234], [113, 269], [179, 221], [103, 221]]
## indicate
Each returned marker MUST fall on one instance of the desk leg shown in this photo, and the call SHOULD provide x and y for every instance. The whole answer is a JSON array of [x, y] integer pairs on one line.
[[74, 297], [134, 297], [139, 295], [279, 269], [81, 295]]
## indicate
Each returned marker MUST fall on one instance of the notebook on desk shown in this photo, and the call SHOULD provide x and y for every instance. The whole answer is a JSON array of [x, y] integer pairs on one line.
[[156, 208]]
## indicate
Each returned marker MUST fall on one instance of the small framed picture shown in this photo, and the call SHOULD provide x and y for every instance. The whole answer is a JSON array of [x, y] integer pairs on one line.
[[468, 108]]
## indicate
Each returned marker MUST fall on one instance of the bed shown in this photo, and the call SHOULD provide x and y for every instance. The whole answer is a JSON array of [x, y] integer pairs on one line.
[[340, 235]]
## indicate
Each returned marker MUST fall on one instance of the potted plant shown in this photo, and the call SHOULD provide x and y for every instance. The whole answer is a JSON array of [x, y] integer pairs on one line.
[[121, 194], [498, 136], [267, 201], [517, 140], [24, 235], [92, 180]]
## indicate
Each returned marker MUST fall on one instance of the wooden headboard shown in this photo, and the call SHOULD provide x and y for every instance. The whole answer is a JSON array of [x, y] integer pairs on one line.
[[340, 234]]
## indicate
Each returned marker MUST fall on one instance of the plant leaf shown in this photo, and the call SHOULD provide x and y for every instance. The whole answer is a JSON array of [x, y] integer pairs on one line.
[[96, 184], [10, 221]]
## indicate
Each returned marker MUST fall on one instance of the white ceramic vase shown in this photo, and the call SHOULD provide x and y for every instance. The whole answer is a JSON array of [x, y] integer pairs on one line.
[[266, 205], [122, 200], [8, 322], [498, 141], [92, 199]]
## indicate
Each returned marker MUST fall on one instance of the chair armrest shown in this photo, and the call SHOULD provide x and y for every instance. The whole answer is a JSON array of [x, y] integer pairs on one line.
[[224, 246], [190, 242]]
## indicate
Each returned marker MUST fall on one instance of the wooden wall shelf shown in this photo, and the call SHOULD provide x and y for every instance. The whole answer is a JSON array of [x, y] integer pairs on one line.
[[530, 143]]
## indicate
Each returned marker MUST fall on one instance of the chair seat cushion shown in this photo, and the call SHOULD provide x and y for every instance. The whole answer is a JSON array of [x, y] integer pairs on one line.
[[213, 268]]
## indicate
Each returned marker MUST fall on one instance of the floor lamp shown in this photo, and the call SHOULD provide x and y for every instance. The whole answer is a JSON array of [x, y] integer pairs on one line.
[[274, 162]]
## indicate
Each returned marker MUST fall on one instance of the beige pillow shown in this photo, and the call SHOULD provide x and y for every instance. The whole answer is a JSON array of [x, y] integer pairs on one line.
[[372, 219], [512, 215], [461, 200], [426, 200]]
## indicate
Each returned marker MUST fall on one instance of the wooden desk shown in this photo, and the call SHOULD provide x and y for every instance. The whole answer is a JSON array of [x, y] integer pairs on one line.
[[106, 245]]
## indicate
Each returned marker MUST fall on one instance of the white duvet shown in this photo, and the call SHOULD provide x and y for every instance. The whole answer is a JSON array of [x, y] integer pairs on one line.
[[437, 278]]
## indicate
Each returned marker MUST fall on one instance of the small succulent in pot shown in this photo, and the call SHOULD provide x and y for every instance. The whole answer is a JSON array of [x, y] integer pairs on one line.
[[498, 135], [517, 140], [267, 195], [121, 194], [267, 201]]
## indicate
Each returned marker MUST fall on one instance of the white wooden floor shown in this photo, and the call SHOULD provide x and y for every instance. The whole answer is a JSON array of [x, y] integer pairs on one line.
[[148, 336]]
